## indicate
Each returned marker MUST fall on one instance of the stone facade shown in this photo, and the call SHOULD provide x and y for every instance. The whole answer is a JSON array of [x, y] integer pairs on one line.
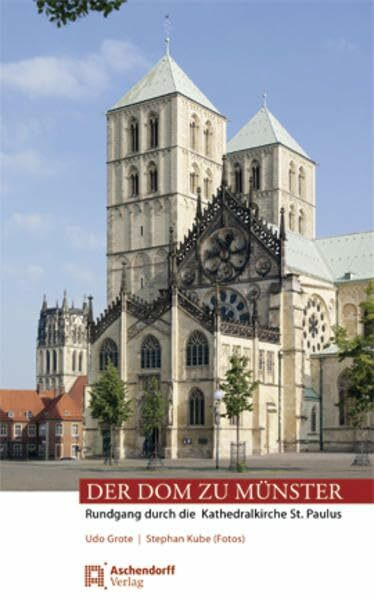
[[62, 345], [209, 255]]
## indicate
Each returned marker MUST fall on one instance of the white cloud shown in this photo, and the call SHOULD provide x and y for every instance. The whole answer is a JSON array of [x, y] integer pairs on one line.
[[66, 77], [78, 273], [342, 46], [32, 222], [29, 161], [19, 133], [83, 240]]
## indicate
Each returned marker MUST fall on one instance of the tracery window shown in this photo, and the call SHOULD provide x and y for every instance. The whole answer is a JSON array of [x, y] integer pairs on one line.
[[301, 182], [313, 420], [80, 362], [255, 175], [108, 353], [152, 178], [238, 178], [134, 183], [134, 136], [291, 177], [153, 131], [207, 138], [150, 353], [194, 128], [315, 325], [196, 405], [232, 305], [197, 350]]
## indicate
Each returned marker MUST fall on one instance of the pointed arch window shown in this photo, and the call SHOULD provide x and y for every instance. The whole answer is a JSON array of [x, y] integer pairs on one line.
[[153, 131], [194, 179], [150, 353], [313, 420], [196, 407], [134, 136], [207, 184], [74, 361], [54, 360], [238, 178], [255, 175], [208, 138], [80, 362], [291, 177], [108, 354], [134, 183], [301, 182], [48, 362], [194, 128], [197, 350], [152, 178]]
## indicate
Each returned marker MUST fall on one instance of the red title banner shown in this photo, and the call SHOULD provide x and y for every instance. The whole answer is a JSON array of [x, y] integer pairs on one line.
[[165, 490]]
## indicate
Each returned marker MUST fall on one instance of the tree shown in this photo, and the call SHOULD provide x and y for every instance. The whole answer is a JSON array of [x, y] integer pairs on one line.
[[109, 404], [62, 12], [153, 414], [238, 388], [360, 349]]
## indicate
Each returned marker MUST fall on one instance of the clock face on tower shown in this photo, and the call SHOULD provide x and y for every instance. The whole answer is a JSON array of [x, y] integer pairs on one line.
[[224, 254]]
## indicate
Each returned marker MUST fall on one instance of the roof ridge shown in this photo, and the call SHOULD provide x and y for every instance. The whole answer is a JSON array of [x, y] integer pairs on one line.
[[171, 60], [270, 116]]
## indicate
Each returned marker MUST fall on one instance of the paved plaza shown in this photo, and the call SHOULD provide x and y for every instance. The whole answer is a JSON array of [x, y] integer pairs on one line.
[[65, 475]]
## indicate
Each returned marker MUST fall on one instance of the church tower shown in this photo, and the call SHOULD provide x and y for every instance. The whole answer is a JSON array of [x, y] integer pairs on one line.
[[165, 140], [61, 354], [283, 175]]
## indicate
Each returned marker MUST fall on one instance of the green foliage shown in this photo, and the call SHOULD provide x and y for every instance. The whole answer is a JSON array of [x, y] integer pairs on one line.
[[238, 387], [153, 407], [108, 404], [360, 349], [62, 12]]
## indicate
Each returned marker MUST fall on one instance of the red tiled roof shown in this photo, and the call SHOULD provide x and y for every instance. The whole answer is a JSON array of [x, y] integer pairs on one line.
[[43, 405]]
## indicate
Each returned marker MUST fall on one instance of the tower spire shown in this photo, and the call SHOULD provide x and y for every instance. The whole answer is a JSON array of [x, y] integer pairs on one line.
[[264, 99], [167, 26]]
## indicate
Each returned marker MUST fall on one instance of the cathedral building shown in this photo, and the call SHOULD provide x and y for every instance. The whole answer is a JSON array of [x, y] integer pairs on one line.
[[211, 251]]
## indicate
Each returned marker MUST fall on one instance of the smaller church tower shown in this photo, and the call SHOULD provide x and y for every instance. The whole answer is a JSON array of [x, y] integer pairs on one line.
[[281, 172], [62, 342]]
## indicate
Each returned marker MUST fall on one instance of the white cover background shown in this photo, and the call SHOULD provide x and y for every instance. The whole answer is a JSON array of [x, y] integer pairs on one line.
[[43, 552]]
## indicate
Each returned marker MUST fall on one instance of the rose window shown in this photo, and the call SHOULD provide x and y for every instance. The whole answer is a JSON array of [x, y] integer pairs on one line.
[[315, 325], [232, 305], [224, 254]]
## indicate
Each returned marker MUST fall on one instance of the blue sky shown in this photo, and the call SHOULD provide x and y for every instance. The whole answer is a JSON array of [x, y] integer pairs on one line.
[[314, 59]]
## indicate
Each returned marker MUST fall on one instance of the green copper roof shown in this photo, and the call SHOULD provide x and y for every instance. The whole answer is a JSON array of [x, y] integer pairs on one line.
[[348, 257], [335, 259], [302, 256], [261, 130], [166, 77]]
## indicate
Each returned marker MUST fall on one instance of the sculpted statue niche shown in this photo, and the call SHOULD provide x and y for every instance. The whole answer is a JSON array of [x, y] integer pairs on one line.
[[224, 254]]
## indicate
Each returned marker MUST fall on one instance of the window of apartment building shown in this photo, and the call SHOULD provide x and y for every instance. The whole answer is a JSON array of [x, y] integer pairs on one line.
[[31, 430], [3, 429], [17, 430], [75, 430], [59, 429], [74, 451], [17, 450], [58, 451]]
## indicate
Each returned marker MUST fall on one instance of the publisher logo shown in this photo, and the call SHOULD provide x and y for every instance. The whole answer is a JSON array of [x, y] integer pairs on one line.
[[93, 576]]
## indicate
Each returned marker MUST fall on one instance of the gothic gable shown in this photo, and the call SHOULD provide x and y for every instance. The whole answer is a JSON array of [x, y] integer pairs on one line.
[[227, 244]]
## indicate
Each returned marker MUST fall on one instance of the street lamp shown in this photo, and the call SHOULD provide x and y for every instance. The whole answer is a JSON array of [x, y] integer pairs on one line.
[[218, 396]]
